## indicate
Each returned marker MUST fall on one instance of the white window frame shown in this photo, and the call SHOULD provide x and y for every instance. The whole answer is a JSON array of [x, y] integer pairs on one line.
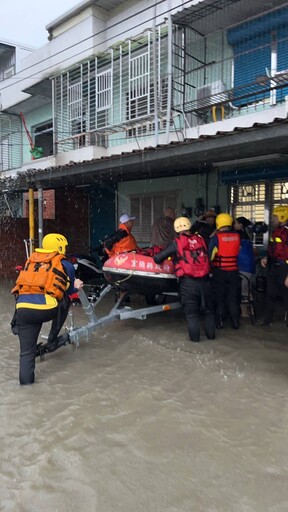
[[104, 96], [75, 101], [139, 85]]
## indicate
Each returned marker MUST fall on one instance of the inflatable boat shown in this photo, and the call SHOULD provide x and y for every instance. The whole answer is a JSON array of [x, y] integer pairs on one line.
[[136, 273]]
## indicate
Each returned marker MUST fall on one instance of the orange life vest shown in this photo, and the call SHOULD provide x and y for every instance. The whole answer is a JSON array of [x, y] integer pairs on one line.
[[42, 273], [126, 244]]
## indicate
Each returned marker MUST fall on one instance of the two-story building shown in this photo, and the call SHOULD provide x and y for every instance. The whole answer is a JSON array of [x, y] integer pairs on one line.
[[135, 106]]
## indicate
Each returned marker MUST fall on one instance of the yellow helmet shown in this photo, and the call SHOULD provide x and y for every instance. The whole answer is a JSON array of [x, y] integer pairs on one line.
[[54, 242], [223, 219], [182, 224], [282, 213]]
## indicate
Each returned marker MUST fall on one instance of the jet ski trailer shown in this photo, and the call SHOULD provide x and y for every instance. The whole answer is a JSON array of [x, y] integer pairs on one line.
[[118, 312]]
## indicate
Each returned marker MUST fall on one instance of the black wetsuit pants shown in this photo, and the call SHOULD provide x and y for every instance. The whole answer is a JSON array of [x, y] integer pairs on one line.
[[196, 298], [227, 297], [275, 289], [28, 324]]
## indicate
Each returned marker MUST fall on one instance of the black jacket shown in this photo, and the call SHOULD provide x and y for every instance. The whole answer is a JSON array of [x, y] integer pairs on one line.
[[168, 251]]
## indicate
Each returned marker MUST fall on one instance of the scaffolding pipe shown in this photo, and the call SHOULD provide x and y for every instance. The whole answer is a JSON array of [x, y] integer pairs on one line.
[[169, 73], [31, 220], [40, 216]]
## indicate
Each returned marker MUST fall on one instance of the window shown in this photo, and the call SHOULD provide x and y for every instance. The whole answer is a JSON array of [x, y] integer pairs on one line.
[[75, 101], [103, 97], [249, 201], [5, 154], [104, 90], [77, 123], [43, 138], [147, 208], [280, 193], [138, 97]]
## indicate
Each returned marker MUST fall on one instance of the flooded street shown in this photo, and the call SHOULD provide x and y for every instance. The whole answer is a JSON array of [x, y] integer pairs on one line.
[[142, 420]]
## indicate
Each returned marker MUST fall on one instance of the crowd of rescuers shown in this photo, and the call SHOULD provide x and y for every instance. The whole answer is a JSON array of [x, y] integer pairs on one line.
[[208, 258], [224, 271]]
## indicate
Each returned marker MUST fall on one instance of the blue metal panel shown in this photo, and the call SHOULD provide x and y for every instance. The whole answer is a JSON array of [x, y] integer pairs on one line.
[[251, 44], [234, 177]]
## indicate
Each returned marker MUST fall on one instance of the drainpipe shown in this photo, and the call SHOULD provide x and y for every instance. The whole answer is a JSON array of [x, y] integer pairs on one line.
[[169, 73], [40, 216], [31, 220]]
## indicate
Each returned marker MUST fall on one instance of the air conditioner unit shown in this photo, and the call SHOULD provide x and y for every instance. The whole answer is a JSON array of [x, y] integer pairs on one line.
[[9, 72], [210, 94]]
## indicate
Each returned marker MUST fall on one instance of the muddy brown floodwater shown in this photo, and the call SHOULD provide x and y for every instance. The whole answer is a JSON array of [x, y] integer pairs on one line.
[[139, 419]]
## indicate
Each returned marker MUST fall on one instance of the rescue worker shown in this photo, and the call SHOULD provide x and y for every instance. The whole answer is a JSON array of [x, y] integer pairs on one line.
[[276, 263], [246, 258], [205, 225], [122, 240], [191, 265], [162, 231], [223, 250], [34, 306]]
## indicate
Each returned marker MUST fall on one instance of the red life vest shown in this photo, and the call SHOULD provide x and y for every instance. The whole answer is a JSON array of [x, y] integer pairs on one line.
[[192, 257], [278, 244], [228, 250]]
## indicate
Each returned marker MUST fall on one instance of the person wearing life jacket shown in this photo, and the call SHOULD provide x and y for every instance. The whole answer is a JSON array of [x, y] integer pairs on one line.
[[122, 240], [223, 250], [191, 264], [246, 257], [41, 294], [276, 263]]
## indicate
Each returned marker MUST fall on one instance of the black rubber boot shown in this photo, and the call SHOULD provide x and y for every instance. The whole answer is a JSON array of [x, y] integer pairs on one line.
[[52, 345], [60, 341]]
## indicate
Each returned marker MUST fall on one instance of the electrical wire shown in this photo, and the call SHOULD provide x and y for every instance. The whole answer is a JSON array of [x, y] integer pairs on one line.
[[91, 47]]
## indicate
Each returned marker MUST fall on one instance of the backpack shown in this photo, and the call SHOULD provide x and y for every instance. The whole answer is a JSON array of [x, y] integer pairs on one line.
[[192, 257], [42, 273]]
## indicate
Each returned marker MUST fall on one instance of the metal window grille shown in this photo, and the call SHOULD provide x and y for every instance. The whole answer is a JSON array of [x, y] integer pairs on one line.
[[139, 86], [104, 90], [10, 142], [5, 155], [280, 193], [249, 201], [75, 101], [147, 208], [114, 89]]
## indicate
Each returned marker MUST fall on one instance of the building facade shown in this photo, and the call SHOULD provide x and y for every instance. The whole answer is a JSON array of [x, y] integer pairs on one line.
[[143, 105]]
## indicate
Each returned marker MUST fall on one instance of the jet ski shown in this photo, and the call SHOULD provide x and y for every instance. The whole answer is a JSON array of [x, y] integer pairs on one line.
[[139, 274]]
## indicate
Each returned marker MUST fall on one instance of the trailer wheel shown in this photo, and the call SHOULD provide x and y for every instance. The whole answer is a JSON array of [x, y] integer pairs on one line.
[[155, 300]]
